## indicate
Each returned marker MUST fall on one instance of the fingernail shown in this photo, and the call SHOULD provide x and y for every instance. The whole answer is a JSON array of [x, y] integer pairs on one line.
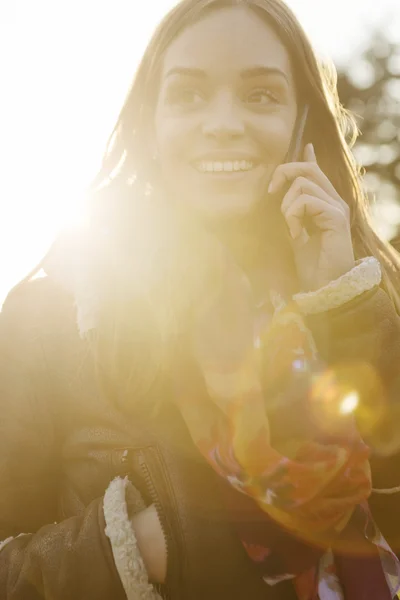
[[271, 186]]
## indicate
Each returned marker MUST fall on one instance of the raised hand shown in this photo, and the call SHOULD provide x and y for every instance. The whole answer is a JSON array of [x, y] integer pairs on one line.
[[323, 252]]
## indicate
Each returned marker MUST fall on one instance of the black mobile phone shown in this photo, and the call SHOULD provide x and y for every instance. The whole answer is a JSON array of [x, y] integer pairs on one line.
[[295, 153]]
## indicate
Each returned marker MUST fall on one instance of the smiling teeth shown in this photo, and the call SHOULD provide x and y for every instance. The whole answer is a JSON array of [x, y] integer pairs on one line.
[[226, 166]]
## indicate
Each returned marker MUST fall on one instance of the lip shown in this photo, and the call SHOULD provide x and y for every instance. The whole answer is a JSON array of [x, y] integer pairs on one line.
[[228, 177], [226, 156]]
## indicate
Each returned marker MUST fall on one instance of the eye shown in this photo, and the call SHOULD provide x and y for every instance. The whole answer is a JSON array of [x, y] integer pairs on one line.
[[261, 97], [187, 97]]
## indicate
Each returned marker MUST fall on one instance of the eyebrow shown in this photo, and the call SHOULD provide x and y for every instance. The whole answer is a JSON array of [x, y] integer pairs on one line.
[[263, 71], [256, 71]]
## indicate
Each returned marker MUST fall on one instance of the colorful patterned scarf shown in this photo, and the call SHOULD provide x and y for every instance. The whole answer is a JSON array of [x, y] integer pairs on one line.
[[282, 434]]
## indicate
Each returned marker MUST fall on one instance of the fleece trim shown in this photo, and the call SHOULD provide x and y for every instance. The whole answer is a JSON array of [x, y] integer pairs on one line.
[[4, 543], [127, 557], [363, 277]]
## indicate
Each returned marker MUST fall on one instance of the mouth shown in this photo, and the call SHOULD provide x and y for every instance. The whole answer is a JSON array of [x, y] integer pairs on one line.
[[224, 166]]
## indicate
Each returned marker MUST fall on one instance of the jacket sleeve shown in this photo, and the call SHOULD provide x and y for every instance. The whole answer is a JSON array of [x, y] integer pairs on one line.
[[357, 331], [39, 558]]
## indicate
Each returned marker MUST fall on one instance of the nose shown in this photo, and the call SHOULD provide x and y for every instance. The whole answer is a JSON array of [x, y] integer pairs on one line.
[[223, 119]]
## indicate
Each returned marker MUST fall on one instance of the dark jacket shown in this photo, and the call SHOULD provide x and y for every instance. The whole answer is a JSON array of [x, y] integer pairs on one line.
[[62, 442]]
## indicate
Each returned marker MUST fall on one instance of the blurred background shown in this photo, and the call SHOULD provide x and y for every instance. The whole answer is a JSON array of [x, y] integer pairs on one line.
[[65, 70]]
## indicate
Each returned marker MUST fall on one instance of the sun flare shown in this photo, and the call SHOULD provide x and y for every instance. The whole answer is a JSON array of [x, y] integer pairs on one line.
[[62, 103]]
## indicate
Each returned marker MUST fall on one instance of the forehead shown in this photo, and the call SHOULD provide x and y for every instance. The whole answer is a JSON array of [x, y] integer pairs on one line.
[[228, 39]]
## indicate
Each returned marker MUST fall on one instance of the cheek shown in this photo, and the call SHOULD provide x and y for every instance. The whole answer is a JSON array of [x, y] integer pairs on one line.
[[276, 136], [173, 139]]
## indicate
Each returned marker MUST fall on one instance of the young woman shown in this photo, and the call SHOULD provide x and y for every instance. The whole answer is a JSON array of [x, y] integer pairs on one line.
[[199, 400]]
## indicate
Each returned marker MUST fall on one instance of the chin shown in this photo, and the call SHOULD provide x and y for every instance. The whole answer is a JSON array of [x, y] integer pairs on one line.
[[226, 208]]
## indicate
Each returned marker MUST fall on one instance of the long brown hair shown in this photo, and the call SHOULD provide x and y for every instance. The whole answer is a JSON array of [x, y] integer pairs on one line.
[[126, 191]]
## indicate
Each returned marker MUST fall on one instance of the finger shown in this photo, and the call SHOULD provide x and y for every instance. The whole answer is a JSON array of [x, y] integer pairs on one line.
[[286, 173], [325, 216], [301, 185], [309, 154]]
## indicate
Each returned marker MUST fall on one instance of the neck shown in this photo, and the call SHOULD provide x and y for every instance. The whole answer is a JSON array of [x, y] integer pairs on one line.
[[260, 246]]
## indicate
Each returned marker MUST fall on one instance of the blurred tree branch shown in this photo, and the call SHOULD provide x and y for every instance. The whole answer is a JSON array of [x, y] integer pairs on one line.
[[370, 88]]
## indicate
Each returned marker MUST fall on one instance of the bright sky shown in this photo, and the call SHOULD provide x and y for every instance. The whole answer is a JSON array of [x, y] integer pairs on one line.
[[65, 69]]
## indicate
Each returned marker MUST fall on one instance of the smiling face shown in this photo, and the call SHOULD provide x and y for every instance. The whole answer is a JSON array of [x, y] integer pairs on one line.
[[225, 113]]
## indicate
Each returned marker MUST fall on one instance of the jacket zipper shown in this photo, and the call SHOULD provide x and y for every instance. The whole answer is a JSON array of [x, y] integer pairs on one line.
[[169, 584]]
